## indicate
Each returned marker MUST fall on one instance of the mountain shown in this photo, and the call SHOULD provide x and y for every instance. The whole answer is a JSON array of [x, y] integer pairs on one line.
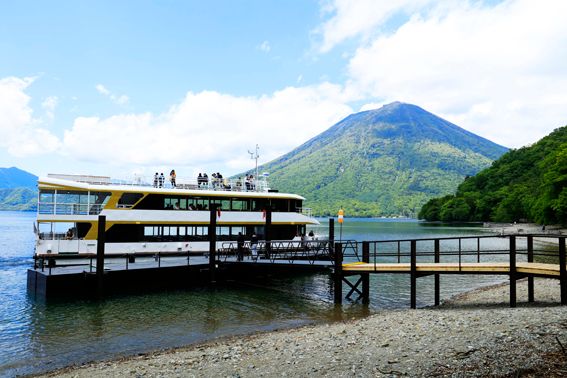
[[16, 178], [382, 162], [18, 189], [525, 184]]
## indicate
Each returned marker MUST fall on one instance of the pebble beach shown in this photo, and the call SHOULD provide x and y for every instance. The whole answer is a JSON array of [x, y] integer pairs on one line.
[[474, 334]]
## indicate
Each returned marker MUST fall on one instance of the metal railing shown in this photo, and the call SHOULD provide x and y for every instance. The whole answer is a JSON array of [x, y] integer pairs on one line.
[[461, 250], [278, 250], [69, 208]]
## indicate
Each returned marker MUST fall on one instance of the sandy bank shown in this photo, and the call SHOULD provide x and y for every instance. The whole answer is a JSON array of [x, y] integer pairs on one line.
[[475, 334]]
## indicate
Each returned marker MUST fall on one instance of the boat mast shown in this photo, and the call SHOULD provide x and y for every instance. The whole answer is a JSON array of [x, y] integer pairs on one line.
[[255, 156]]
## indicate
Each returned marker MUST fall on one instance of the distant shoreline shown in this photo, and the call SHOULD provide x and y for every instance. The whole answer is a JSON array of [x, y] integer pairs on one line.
[[474, 333]]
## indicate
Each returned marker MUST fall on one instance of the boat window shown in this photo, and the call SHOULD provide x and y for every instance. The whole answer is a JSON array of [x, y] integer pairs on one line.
[[57, 230], [128, 200], [46, 201], [239, 204]]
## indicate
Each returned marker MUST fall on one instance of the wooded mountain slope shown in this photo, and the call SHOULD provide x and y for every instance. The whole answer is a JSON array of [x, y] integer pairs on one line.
[[383, 162], [18, 189], [525, 184]]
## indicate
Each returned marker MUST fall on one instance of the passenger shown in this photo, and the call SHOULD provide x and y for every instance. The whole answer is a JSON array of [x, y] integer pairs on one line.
[[214, 180], [156, 179], [226, 185], [161, 180], [240, 247], [254, 246], [205, 179], [199, 180], [69, 234], [239, 184], [176, 206], [311, 235], [172, 178], [303, 242]]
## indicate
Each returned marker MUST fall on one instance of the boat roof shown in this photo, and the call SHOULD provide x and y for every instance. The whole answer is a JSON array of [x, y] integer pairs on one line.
[[106, 184]]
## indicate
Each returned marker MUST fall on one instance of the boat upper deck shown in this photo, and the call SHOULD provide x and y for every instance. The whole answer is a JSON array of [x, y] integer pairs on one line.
[[256, 188]]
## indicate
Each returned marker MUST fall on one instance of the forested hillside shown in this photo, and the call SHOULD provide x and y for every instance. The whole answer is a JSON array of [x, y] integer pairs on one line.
[[525, 184], [18, 189], [388, 161]]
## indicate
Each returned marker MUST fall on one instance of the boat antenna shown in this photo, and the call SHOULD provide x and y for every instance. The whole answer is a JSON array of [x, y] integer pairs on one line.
[[255, 156]]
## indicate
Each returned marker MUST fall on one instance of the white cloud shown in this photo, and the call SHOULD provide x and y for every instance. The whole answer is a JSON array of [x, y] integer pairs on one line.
[[210, 129], [22, 135], [49, 105], [117, 99], [359, 18], [265, 47], [498, 71]]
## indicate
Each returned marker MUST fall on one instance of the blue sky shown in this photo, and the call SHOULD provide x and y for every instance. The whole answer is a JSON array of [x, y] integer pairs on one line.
[[130, 87]]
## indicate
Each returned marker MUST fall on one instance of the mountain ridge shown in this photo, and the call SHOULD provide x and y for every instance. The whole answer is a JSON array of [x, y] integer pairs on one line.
[[387, 161]]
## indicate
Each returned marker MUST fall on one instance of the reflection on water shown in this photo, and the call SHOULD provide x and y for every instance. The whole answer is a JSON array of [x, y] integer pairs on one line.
[[37, 336]]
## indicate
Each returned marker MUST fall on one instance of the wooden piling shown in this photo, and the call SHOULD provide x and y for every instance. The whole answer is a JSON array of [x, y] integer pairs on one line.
[[562, 271], [513, 272], [338, 273], [530, 246], [365, 276], [413, 274], [212, 243], [267, 232], [101, 240], [331, 235], [436, 277]]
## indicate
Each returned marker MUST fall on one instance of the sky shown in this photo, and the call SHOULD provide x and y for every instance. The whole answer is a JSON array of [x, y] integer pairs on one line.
[[128, 88]]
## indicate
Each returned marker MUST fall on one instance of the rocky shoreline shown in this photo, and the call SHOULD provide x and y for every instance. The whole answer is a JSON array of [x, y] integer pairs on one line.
[[474, 334]]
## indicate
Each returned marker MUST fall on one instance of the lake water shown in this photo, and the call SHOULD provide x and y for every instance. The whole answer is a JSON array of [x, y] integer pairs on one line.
[[36, 336]]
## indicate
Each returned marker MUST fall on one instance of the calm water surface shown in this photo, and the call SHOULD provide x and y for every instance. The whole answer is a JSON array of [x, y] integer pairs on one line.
[[36, 336]]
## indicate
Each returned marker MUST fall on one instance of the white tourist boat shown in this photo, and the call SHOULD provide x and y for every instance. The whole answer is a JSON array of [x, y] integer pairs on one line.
[[143, 218]]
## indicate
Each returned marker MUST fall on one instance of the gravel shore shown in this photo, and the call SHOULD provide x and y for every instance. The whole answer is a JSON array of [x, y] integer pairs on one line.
[[475, 334]]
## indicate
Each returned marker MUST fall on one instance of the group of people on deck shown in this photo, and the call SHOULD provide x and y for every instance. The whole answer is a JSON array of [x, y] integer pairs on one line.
[[217, 181], [249, 183], [159, 179]]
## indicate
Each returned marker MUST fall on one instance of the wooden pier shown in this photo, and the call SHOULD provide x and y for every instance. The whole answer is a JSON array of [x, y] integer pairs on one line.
[[501, 255], [515, 256]]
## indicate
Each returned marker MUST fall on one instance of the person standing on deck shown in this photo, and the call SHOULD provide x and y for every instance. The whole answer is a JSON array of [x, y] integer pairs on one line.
[[254, 246], [240, 247], [172, 177], [161, 180], [156, 179]]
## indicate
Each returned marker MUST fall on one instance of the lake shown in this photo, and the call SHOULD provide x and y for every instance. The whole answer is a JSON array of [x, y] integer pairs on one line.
[[37, 336]]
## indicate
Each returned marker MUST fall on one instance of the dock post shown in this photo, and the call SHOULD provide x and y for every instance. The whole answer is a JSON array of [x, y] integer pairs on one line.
[[562, 271], [338, 273], [413, 274], [513, 271], [365, 276], [267, 229], [212, 243], [530, 242], [331, 235], [437, 283], [101, 240]]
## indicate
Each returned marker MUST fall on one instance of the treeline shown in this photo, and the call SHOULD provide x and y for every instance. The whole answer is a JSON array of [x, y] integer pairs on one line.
[[528, 184]]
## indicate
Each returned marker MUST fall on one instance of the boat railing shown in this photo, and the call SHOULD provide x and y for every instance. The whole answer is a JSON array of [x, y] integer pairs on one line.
[[69, 208], [305, 211], [224, 184]]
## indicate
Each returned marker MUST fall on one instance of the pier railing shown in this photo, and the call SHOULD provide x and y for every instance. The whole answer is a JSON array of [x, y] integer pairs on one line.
[[542, 248], [517, 256], [278, 250]]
